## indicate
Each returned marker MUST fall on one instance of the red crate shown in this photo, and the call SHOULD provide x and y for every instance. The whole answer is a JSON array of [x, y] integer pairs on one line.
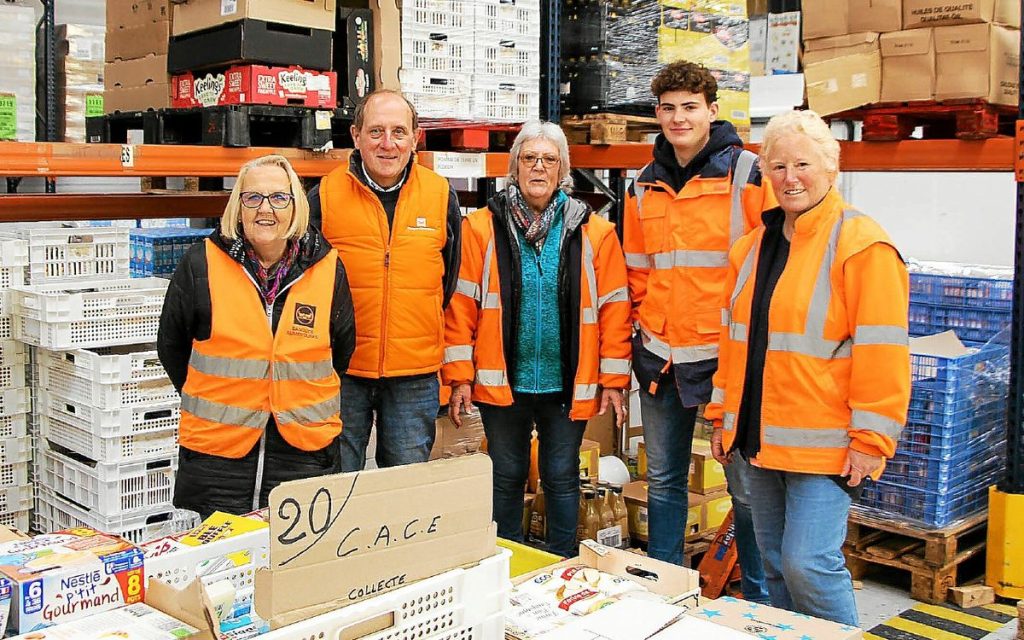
[[256, 84]]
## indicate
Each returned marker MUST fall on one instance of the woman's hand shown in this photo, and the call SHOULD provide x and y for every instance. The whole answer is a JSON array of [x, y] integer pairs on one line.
[[460, 401], [860, 465], [717, 450], [613, 396]]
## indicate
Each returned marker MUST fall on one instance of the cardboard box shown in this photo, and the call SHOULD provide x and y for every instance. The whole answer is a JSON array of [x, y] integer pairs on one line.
[[827, 18], [137, 41], [196, 15], [758, 44], [714, 511], [942, 13], [977, 61], [337, 540], [152, 96], [641, 461], [635, 495], [135, 85], [387, 43], [450, 442], [601, 429], [137, 12], [590, 458], [706, 473], [908, 65], [354, 54], [763, 621], [782, 54], [66, 576], [250, 41], [843, 72], [1007, 13], [134, 621], [257, 84]]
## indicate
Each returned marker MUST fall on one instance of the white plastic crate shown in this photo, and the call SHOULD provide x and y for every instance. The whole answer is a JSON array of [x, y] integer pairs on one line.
[[107, 377], [109, 489], [501, 55], [57, 513], [461, 604], [439, 14], [13, 475], [20, 520], [505, 100], [15, 450], [215, 561], [65, 254], [14, 499], [12, 375], [13, 260], [433, 49], [438, 95], [138, 447], [12, 352], [6, 330], [89, 314], [14, 401], [110, 423], [14, 426], [510, 18]]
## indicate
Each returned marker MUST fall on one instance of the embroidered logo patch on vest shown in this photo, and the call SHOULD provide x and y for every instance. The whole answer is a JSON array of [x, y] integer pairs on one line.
[[305, 315]]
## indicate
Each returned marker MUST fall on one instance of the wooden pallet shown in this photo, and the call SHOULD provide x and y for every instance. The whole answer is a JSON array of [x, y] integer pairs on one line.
[[932, 556], [608, 128], [964, 119], [453, 135]]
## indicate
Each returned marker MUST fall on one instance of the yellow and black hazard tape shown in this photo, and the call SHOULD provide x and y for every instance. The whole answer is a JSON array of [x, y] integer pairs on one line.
[[944, 622]]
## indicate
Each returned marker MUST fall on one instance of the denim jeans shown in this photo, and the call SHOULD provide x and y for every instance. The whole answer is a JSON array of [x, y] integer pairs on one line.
[[800, 521], [508, 432], [668, 438], [406, 411], [752, 582]]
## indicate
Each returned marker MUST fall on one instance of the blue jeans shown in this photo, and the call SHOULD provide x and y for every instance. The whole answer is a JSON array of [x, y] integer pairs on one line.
[[752, 582], [406, 411], [508, 431], [800, 521], [668, 438]]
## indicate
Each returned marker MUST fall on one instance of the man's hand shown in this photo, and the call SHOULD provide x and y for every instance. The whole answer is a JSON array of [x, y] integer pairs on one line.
[[717, 450], [860, 465], [461, 401], [614, 397]]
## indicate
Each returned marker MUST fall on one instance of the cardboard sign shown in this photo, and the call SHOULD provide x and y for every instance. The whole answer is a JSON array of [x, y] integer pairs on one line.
[[762, 621], [339, 539]]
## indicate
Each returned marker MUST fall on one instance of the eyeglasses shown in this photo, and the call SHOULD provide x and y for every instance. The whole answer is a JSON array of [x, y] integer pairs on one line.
[[531, 160], [277, 200]]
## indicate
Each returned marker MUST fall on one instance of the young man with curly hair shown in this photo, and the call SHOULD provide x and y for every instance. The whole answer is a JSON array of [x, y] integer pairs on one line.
[[684, 210]]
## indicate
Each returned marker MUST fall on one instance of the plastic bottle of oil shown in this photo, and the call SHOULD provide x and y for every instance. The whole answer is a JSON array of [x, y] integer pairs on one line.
[[593, 514], [609, 534], [621, 515], [538, 518]]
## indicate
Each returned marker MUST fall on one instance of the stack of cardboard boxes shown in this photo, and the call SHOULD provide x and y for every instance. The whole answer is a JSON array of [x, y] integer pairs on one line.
[[80, 60], [859, 52], [135, 76]]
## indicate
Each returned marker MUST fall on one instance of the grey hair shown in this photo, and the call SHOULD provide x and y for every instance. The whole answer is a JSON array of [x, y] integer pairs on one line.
[[805, 122], [549, 131]]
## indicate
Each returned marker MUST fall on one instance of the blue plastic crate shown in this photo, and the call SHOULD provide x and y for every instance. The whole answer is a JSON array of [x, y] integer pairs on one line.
[[930, 508], [930, 406], [959, 291], [969, 324], [938, 444], [942, 476], [958, 377]]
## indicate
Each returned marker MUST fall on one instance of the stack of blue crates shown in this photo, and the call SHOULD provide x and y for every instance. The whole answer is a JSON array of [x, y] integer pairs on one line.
[[954, 444], [157, 252]]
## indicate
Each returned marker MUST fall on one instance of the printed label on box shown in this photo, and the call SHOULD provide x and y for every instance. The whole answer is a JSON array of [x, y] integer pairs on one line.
[[8, 116], [228, 7], [93, 105], [463, 165]]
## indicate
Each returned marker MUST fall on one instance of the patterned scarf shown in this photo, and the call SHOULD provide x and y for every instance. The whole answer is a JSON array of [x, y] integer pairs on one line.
[[534, 227], [269, 278]]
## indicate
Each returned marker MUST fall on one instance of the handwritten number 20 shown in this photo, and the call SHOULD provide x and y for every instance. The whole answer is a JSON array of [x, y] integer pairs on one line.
[[291, 504]]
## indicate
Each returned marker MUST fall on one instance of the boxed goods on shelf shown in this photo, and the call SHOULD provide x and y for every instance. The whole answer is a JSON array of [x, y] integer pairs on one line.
[[250, 40], [134, 621], [79, 78], [977, 61], [256, 84], [17, 68], [157, 252], [135, 76], [842, 72], [197, 15]]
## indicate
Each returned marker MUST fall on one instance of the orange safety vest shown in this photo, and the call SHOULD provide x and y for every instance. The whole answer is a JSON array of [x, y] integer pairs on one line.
[[244, 374], [837, 365], [677, 247], [396, 274], [474, 318]]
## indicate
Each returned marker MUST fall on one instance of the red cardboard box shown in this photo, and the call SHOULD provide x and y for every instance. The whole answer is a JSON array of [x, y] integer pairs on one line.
[[256, 84]]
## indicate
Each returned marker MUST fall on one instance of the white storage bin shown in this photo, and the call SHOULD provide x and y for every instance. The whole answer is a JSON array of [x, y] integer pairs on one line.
[[6, 331], [14, 426], [15, 401], [20, 520], [510, 18], [109, 488], [505, 100], [107, 377], [431, 49], [57, 513], [15, 499], [89, 314], [13, 260], [110, 423], [439, 14], [64, 254], [461, 604], [15, 450], [12, 352], [12, 375], [438, 95], [124, 448], [13, 475]]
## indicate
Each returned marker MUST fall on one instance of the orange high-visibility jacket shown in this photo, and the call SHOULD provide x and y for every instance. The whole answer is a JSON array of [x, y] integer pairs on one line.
[[479, 312], [837, 366], [677, 247], [396, 274], [244, 374]]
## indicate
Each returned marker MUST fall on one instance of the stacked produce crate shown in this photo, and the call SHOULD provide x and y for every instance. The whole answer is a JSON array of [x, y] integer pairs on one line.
[[15, 445], [107, 414]]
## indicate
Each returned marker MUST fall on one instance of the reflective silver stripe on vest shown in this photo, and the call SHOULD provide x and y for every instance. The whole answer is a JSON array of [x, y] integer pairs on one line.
[[303, 370], [491, 301], [871, 421], [616, 295], [468, 288], [585, 392], [615, 366], [881, 334], [726, 317], [458, 353], [697, 353], [808, 345], [485, 277], [491, 377], [744, 167], [738, 332], [589, 315], [229, 367], [638, 188], [746, 269], [655, 345], [729, 421], [718, 395], [803, 438], [690, 258], [319, 412], [638, 260], [223, 413]]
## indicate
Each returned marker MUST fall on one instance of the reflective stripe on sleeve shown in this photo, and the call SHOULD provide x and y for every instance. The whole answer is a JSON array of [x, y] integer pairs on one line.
[[871, 421], [804, 438], [615, 366], [458, 353], [881, 334]]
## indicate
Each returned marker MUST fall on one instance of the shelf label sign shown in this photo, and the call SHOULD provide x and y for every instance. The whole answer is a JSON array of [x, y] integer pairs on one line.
[[8, 116], [461, 165], [93, 105], [127, 155]]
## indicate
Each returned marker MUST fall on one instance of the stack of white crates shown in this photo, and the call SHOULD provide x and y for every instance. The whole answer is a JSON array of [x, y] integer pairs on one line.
[[15, 445], [104, 410], [475, 60], [18, 72]]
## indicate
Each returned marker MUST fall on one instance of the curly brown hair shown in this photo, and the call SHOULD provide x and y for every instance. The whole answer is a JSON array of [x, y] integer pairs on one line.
[[685, 76]]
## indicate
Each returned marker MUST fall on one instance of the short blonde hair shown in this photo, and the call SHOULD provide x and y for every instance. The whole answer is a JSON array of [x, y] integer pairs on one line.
[[231, 220], [807, 123], [551, 132]]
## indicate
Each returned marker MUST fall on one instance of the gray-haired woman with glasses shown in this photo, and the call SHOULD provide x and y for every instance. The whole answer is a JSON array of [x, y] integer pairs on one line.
[[257, 328]]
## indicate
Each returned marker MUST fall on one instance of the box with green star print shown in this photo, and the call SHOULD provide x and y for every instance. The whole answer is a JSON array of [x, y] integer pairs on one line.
[[769, 623]]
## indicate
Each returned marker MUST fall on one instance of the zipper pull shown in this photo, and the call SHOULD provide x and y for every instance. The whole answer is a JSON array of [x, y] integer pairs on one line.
[[387, 259]]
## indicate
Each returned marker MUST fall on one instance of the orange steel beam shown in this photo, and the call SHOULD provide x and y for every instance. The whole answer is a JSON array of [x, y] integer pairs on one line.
[[70, 206]]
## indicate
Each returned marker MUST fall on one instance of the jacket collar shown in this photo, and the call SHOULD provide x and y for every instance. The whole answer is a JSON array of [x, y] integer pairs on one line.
[[357, 170], [574, 212], [313, 247], [821, 215]]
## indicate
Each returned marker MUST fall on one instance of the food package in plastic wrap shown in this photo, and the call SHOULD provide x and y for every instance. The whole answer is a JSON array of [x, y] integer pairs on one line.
[[80, 55], [18, 72]]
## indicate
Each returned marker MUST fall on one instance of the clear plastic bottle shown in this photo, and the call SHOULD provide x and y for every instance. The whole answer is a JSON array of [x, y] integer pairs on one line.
[[621, 514], [538, 519]]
